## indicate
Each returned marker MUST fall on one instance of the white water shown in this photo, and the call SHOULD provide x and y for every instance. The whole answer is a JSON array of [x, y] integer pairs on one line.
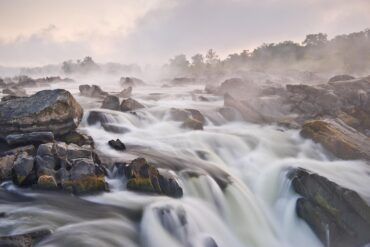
[[256, 209]]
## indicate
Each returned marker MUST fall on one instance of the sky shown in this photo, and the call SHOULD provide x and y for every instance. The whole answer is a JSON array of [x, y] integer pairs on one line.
[[40, 32]]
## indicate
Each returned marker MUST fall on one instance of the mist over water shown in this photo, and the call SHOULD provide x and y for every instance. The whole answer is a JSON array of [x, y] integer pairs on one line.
[[257, 208]]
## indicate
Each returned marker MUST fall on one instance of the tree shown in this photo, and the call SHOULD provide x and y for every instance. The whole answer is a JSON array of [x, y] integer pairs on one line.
[[315, 39], [212, 57], [197, 60]]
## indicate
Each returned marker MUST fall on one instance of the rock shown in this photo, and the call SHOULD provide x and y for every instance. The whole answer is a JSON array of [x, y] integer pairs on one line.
[[53, 111], [24, 240], [95, 117], [15, 91], [117, 145], [30, 138], [77, 138], [114, 128], [10, 97], [2, 83], [25, 81], [191, 118], [183, 81], [111, 102], [23, 170], [130, 105], [229, 114], [339, 138], [144, 177], [93, 91], [341, 78], [191, 123], [131, 82], [331, 211], [126, 93], [29, 149], [6, 166], [76, 152]]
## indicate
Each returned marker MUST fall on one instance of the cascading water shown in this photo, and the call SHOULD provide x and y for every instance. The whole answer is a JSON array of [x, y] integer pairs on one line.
[[236, 192]]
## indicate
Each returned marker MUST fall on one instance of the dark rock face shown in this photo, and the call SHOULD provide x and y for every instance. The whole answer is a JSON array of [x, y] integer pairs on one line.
[[111, 102], [130, 105], [126, 93], [339, 138], [144, 177], [341, 78], [117, 145], [6, 166], [9, 97], [30, 138], [53, 111], [77, 138], [23, 174], [97, 117], [93, 91], [337, 215], [131, 82]]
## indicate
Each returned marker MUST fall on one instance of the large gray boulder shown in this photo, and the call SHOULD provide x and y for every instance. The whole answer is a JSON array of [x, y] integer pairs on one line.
[[131, 105], [93, 91], [337, 215], [111, 102], [53, 111]]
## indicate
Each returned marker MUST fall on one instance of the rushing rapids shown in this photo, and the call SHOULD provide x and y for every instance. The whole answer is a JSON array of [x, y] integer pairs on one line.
[[236, 191]]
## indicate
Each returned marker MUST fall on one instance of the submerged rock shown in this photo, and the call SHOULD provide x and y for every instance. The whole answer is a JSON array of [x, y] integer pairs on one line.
[[117, 145], [339, 138], [337, 215], [131, 82], [93, 91], [144, 177], [130, 105], [53, 111], [24, 240], [111, 102], [30, 138]]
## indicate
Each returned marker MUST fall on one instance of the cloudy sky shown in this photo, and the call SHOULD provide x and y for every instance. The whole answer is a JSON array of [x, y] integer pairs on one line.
[[38, 32]]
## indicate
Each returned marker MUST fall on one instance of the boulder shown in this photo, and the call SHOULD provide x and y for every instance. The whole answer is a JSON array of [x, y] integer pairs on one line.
[[341, 78], [145, 177], [95, 117], [23, 172], [53, 111], [10, 97], [131, 82], [30, 138], [111, 102], [70, 168], [6, 166], [126, 93], [93, 91], [130, 105], [115, 128], [339, 138], [191, 123], [191, 118], [337, 215], [117, 145]]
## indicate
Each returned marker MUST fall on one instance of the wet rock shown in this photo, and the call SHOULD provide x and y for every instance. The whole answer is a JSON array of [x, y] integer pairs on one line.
[[337, 215], [115, 128], [53, 111], [77, 138], [6, 166], [117, 145], [126, 93], [194, 124], [130, 105], [144, 177], [131, 82], [111, 102], [29, 149], [25, 81], [22, 172], [47, 182], [9, 97], [230, 114], [76, 152], [28, 138], [93, 91], [24, 240], [341, 78], [339, 138]]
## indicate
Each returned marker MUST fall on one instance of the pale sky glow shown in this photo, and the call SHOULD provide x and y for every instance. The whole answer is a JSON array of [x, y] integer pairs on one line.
[[37, 32]]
